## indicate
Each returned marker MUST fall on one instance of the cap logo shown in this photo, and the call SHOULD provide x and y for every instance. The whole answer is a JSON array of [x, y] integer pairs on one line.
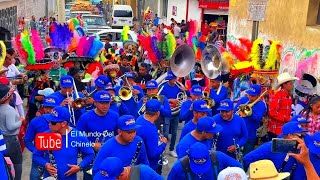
[[151, 84], [130, 121], [66, 81], [204, 106], [316, 143], [104, 96], [55, 113], [224, 104], [100, 81], [302, 119], [50, 100], [197, 90], [252, 89], [199, 161], [103, 173]]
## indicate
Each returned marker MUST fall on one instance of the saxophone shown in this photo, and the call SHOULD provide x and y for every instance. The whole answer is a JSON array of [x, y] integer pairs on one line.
[[135, 157], [53, 163]]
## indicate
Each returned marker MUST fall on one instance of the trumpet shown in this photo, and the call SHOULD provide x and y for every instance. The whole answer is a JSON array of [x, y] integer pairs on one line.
[[142, 110], [210, 102], [78, 103], [247, 108]]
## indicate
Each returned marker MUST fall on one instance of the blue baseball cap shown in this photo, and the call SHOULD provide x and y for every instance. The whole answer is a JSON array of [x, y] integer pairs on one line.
[[314, 143], [254, 90], [200, 106], [226, 105], [110, 169], [199, 158], [58, 114], [300, 119], [170, 75], [102, 81], [66, 81], [51, 101], [152, 84], [153, 105], [209, 125], [127, 122], [196, 90], [102, 96], [129, 74], [292, 128]]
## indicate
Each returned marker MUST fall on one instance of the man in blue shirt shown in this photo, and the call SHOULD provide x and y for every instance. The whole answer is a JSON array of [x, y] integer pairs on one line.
[[152, 89], [38, 125], [314, 151], [66, 95], [100, 124], [117, 106], [186, 113], [200, 109], [100, 84], [155, 145], [117, 171], [218, 92], [204, 133], [289, 130], [73, 142], [234, 134], [200, 163], [252, 121], [126, 145], [137, 93], [171, 91]]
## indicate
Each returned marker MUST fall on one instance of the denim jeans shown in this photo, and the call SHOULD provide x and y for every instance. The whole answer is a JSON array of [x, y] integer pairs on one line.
[[35, 174], [15, 154], [172, 123], [249, 146]]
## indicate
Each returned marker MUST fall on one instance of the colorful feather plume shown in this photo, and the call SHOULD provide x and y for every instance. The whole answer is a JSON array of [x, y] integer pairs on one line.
[[155, 49], [61, 36], [192, 31], [256, 54], [145, 42], [2, 53], [273, 56], [303, 65], [238, 52], [18, 47], [124, 34], [28, 47], [79, 51], [88, 45], [171, 44], [247, 43], [194, 44], [96, 47], [37, 45], [162, 45]]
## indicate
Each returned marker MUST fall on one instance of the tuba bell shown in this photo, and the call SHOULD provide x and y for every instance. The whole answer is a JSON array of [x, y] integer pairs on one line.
[[212, 63], [206, 97], [182, 60]]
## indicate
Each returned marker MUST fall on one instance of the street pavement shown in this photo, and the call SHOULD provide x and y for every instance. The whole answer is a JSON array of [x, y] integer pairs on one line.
[[27, 158]]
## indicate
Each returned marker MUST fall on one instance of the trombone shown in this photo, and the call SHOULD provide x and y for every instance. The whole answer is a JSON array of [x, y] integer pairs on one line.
[[247, 108], [142, 110]]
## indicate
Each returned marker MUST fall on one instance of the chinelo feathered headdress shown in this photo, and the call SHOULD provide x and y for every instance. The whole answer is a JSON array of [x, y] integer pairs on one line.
[[149, 44], [2, 53]]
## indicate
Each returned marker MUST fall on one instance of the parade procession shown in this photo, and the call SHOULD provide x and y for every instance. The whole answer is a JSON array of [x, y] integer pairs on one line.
[[152, 98]]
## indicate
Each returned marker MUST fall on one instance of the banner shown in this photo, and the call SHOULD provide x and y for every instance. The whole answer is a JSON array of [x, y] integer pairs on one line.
[[214, 4]]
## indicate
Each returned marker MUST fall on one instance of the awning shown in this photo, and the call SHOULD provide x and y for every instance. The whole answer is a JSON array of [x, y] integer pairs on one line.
[[215, 12]]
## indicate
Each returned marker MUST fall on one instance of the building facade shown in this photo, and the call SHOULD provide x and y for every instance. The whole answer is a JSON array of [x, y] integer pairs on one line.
[[8, 20]]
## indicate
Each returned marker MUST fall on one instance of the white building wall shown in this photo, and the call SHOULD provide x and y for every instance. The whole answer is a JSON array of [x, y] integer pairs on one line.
[[28, 8], [181, 10], [194, 12]]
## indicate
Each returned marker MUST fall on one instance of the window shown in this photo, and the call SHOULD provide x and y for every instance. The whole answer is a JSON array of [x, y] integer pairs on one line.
[[165, 8], [122, 13], [313, 18]]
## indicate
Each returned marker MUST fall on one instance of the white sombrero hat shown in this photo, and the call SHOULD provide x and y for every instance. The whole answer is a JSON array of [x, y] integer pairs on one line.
[[283, 78]]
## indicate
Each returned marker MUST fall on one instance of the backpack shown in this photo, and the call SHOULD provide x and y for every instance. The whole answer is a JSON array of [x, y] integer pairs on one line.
[[186, 165]]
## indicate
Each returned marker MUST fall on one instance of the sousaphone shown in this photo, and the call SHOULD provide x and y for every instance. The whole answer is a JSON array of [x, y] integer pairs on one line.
[[182, 60]]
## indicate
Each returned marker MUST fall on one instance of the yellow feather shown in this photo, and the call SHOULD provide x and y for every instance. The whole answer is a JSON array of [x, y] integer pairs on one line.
[[255, 54], [273, 56], [3, 56]]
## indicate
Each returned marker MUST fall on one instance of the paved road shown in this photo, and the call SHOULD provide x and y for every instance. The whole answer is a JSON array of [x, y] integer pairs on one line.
[[27, 157]]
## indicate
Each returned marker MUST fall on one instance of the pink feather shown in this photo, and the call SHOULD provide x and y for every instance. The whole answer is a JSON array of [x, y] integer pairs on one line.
[[37, 45], [76, 36], [18, 47], [314, 64], [303, 66], [192, 31], [81, 45]]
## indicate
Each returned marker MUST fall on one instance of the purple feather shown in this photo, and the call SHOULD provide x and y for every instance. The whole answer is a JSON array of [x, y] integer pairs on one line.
[[155, 48], [88, 45]]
